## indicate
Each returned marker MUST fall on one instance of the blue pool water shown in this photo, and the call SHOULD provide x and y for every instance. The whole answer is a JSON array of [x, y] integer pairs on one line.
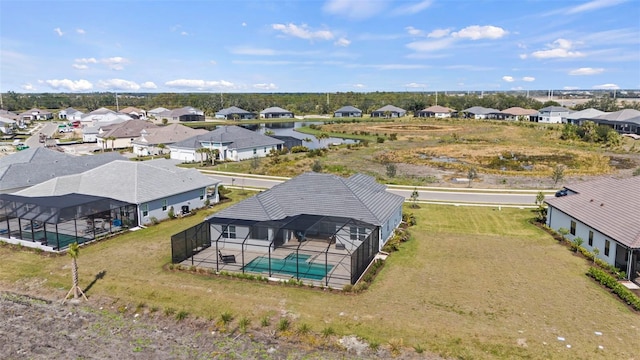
[[290, 265]]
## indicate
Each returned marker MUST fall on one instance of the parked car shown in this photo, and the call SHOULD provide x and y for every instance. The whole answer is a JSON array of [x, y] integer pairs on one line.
[[563, 192], [21, 147]]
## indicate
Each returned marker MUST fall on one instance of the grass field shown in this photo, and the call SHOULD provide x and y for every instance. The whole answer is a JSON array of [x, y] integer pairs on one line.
[[472, 283]]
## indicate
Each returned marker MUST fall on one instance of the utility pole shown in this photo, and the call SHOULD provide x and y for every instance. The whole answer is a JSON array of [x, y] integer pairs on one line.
[[436, 98], [117, 105]]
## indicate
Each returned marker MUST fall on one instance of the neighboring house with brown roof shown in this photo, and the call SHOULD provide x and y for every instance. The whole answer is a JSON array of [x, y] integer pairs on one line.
[[436, 111], [121, 135], [135, 113], [514, 113], [36, 114], [152, 141], [604, 214]]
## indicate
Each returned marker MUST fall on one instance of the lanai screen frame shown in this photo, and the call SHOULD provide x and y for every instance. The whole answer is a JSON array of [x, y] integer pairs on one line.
[[23, 217], [310, 227]]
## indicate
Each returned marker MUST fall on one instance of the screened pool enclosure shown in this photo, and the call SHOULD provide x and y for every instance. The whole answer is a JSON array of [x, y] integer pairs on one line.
[[55, 222], [321, 250]]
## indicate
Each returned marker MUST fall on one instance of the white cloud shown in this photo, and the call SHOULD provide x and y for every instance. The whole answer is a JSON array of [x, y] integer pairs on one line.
[[118, 84], [244, 24], [586, 71], [270, 86], [70, 85], [86, 61], [359, 86], [303, 32], [425, 46], [342, 42], [523, 56], [476, 32], [149, 85], [528, 78], [413, 31], [246, 50], [354, 9], [80, 31], [607, 87], [213, 62], [58, 31], [415, 85], [28, 87], [115, 63], [199, 84], [508, 78], [80, 66], [594, 5], [570, 88], [184, 33], [438, 33], [412, 8], [561, 48]]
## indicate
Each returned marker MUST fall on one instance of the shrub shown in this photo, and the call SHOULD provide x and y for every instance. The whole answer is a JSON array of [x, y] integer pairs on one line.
[[171, 213], [347, 288], [610, 282], [169, 311], [328, 331], [299, 149], [154, 220], [303, 329], [243, 324], [284, 324], [380, 140], [181, 315], [225, 318], [264, 322]]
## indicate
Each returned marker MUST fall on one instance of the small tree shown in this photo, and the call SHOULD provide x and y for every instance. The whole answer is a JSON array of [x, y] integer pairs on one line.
[[391, 170], [471, 174], [255, 162], [203, 153], [541, 210], [577, 242], [317, 166], [596, 252], [74, 252], [563, 232], [414, 198], [557, 175]]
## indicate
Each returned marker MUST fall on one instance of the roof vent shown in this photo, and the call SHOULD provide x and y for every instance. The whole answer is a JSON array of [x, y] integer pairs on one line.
[[602, 204], [591, 200]]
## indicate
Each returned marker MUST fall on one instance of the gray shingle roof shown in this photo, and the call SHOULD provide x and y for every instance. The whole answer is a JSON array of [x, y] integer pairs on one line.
[[168, 134], [233, 110], [35, 165], [275, 110], [585, 114], [358, 197], [479, 110], [610, 206], [554, 109], [131, 181], [621, 115], [235, 137], [348, 109], [391, 108]]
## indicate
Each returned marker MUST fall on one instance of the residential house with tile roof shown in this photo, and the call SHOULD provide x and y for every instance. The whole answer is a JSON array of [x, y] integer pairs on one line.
[[70, 114], [604, 214], [233, 143], [275, 112], [134, 112], [36, 114], [187, 113], [35, 165], [154, 141], [347, 111], [389, 111], [436, 111], [154, 186], [235, 113], [515, 113], [121, 135]]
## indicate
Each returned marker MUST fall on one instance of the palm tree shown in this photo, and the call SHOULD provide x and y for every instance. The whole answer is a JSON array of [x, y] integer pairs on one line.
[[113, 141], [203, 152], [74, 252], [322, 136]]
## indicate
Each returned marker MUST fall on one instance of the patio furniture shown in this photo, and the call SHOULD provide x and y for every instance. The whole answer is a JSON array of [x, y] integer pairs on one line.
[[227, 259]]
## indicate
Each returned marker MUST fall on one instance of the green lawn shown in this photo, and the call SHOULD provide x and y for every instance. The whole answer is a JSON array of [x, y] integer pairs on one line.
[[472, 283]]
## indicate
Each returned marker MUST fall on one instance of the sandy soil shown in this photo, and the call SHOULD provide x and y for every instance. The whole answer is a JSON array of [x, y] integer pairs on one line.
[[39, 328]]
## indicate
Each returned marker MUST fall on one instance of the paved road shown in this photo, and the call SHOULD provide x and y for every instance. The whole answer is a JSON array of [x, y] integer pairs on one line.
[[492, 197], [46, 128]]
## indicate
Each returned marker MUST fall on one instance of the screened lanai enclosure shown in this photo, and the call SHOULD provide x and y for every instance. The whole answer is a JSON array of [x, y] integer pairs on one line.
[[55, 222], [320, 250]]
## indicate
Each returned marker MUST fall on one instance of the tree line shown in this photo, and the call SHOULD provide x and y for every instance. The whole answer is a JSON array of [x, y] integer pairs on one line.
[[298, 103]]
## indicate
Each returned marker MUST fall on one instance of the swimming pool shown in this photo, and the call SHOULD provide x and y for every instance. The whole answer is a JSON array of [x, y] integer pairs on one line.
[[292, 264]]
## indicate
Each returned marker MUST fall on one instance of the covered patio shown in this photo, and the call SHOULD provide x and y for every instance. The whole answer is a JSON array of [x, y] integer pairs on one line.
[[325, 251], [52, 223]]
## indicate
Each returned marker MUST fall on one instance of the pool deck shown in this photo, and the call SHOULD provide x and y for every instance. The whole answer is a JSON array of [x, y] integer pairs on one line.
[[338, 259]]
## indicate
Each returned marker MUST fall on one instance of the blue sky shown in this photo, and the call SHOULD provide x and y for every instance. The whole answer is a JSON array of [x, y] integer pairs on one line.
[[318, 46]]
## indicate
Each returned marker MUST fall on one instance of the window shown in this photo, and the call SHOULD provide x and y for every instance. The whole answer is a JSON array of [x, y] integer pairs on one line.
[[164, 205], [255, 151], [590, 238], [202, 194], [357, 233], [573, 227], [230, 232], [607, 244], [145, 209], [265, 150]]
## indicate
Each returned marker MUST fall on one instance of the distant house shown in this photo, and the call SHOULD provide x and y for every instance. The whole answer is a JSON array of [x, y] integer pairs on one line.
[[289, 141], [232, 142], [36, 114], [604, 214], [102, 117], [577, 117], [121, 135], [9, 115], [157, 111], [347, 111], [154, 141], [389, 111], [552, 114], [154, 186], [135, 113], [182, 114], [436, 111], [514, 114], [70, 114], [626, 121], [7, 125], [275, 113], [235, 113], [479, 112], [35, 165]]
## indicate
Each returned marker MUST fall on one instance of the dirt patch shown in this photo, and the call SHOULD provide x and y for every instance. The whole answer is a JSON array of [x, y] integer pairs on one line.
[[412, 128], [38, 328]]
